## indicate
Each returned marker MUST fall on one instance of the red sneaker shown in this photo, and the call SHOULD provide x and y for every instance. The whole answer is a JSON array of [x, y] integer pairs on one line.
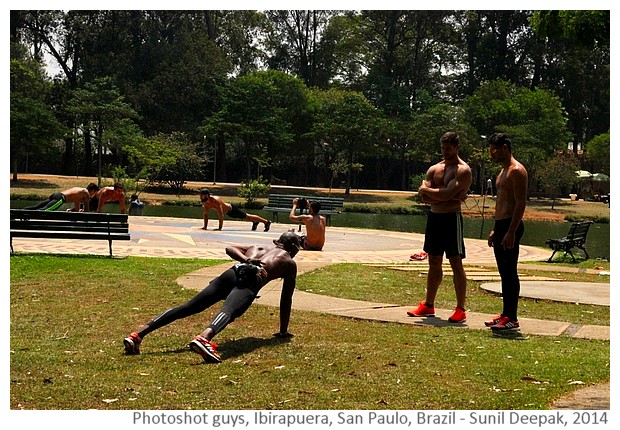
[[494, 321], [458, 316], [423, 310], [206, 349], [132, 344], [505, 324]]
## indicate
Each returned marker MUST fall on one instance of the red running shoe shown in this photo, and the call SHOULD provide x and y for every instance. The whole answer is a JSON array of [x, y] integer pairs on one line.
[[206, 349], [494, 321], [458, 316], [423, 310], [421, 256], [505, 324], [132, 344]]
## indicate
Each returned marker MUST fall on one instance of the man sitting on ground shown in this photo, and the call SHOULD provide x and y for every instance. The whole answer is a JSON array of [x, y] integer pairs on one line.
[[315, 226]]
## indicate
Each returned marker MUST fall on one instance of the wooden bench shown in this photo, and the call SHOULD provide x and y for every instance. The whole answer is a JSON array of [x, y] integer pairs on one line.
[[576, 238], [284, 202], [69, 225]]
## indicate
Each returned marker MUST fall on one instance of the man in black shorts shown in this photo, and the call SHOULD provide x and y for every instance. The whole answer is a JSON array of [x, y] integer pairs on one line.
[[444, 188], [222, 208], [238, 287]]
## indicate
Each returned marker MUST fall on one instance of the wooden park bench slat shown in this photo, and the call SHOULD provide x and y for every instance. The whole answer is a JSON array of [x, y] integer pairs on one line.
[[282, 203], [69, 225], [576, 238]]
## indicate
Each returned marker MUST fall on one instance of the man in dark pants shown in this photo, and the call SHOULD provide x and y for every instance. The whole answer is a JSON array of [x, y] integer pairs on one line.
[[511, 185], [238, 287]]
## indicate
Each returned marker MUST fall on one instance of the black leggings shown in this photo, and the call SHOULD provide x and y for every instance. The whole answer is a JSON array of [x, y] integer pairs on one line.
[[53, 202], [507, 260], [237, 296]]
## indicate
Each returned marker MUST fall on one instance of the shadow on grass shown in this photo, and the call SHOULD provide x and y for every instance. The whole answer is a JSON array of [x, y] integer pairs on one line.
[[243, 346], [32, 183], [230, 349]]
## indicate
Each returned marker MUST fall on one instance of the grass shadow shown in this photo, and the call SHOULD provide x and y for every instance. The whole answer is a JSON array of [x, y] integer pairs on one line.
[[243, 346], [33, 183]]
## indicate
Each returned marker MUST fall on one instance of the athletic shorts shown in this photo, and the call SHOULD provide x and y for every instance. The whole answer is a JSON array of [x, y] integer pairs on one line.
[[444, 234], [237, 213]]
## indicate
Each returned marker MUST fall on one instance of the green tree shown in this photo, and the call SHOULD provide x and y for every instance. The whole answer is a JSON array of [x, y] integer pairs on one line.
[[263, 114], [99, 107], [349, 125], [34, 128], [294, 43], [588, 28], [599, 154], [577, 67], [558, 175], [170, 159], [534, 120]]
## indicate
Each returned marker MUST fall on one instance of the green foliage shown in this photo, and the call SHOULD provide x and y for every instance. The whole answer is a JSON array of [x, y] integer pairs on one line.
[[349, 125], [415, 181], [34, 128], [558, 174], [587, 28], [263, 114], [194, 72], [253, 189], [598, 151]]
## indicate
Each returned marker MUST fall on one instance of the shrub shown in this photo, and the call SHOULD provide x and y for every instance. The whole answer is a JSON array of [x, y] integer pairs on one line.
[[253, 189]]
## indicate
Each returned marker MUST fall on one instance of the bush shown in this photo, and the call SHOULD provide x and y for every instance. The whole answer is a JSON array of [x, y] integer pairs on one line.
[[252, 190]]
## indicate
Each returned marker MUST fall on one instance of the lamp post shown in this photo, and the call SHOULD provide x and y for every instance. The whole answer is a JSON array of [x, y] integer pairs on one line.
[[214, 160], [481, 180]]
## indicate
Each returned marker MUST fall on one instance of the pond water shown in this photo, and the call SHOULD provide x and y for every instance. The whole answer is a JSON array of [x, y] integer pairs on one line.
[[536, 232]]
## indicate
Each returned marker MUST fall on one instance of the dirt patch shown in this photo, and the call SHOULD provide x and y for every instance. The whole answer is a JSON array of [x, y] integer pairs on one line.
[[529, 215], [595, 397]]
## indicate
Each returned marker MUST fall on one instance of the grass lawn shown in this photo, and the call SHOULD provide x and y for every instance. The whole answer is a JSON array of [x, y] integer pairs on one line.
[[69, 315]]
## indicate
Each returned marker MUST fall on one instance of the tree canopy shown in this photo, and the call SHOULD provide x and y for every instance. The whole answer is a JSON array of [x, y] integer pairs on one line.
[[305, 95]]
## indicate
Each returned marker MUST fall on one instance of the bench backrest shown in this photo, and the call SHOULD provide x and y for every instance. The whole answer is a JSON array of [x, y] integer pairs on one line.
[[578, 231], [286, 200]]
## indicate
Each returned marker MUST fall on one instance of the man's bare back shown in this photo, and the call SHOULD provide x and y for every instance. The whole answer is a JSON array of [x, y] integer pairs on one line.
[[216, 203], [276, 262], [315, 230], [77, 196]]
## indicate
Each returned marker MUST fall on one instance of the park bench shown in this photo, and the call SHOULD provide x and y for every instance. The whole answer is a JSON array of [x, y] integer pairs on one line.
[[284, 202], [68, 225], [576, 238]]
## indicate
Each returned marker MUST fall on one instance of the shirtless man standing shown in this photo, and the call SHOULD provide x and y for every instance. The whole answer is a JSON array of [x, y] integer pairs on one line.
[[315, 226], [222, 208], [79, 197], [445, 188], [238, 287], [511, 184]]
